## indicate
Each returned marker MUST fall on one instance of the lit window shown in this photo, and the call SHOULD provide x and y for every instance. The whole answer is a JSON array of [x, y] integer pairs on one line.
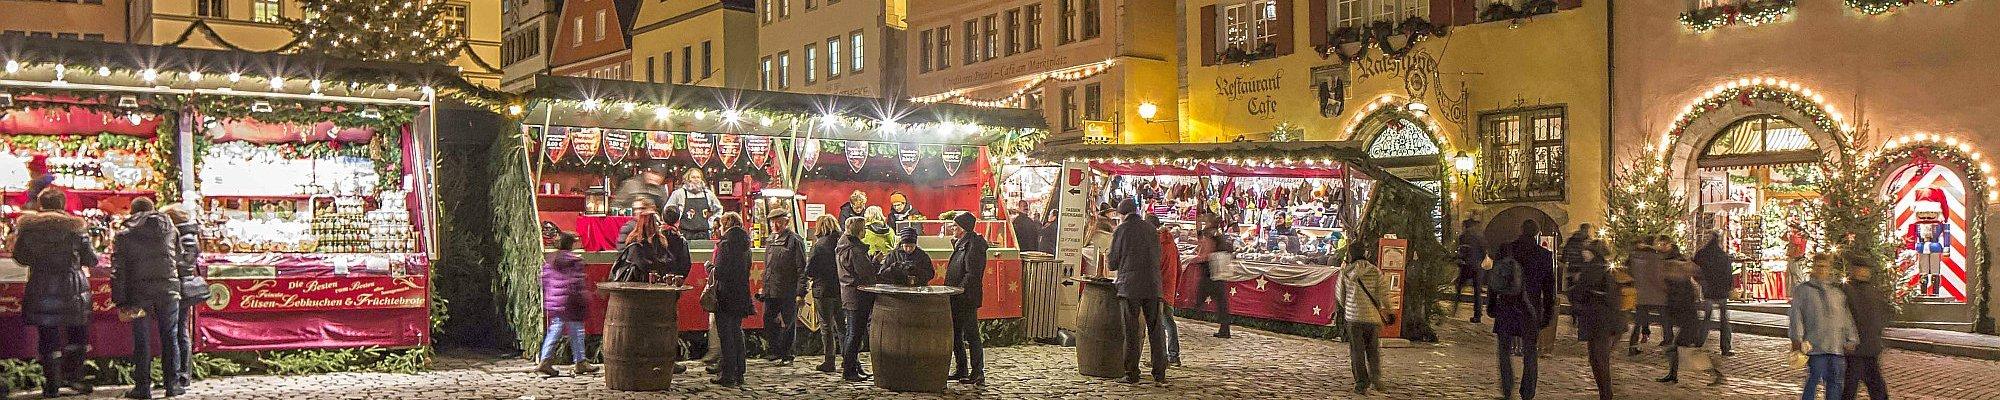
[[854, 48], [812, 64], [764, 78], [576, 33], [1524, 156], [265, 11], [1031, 35], [456, 19], [600, 25], [1249, 26], [1360, 13], [833, 57], [784, 70]]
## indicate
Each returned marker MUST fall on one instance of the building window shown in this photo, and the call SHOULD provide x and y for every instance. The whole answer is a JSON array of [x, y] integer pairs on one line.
[[266, 11], [1071, 119], [94, 37], [211, 8], [992, 39], [1090, 25], [971, 42], [576, 33], [1249, 27], [925, 45], [1359, 14], [521, 45], [764, 76], [944, 47], [1066, 26], [1013, 31], [601, 25], [812, 64], [854, 48], [1523, 155], [784, 9], [833, 57], [457, 20], [1031, 37], [768, 11], [1093, 102], [687, 64], [707, 59], [650, 77], [667, 68], [784, 70], [812, 5]]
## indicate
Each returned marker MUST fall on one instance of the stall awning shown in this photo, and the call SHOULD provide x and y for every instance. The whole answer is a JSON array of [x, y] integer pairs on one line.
[[721, 99], [1218, 169], [1303, 159]]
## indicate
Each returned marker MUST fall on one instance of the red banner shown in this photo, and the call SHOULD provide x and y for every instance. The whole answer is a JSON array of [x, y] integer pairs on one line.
[[556, 143], [759, 148], [617, 144], [700, 148], [659, 145], [1261, 298], [316, 294], [255, 131], [857, 154], [70, 121], [587, 142], [907, 157]]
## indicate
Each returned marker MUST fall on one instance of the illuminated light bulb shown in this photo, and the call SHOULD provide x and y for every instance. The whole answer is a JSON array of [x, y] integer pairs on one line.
[[1743, 82], [392, 87], [428, 91], [701, 115], [103, 71], [829, 119], [890, 125], [732, 116], [627, 107], [235, 77], [1817, 98], [314, 85], [194, 76], [660, 113], [592, 104], [149, 75], [764, 121], [514, 109], [1951, 141], [277, 83], [13, 66]]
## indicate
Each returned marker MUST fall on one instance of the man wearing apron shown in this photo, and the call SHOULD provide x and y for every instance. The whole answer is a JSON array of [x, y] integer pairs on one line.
[[697, 204]]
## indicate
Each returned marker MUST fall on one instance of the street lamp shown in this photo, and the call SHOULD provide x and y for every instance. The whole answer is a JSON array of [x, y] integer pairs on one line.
[[1148, 110], [1463, 163]]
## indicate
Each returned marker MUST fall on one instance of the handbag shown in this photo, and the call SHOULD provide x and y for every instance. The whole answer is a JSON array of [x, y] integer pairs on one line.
[[708, 292], [626, 269], [194, 289], [1388, 318]]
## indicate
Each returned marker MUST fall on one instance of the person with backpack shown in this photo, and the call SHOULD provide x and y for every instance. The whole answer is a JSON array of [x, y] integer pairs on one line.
[[1363, 311], [1594, 303], [1471, 253], [1523, 290]]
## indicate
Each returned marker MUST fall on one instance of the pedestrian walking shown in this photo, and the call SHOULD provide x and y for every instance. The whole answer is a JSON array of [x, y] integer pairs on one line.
[[145, 286], [1170, 288], [784, 286], [1594, 303], [907, 264], [563, 295], [1571, 255], [966, 270], [1471, 253], [1683, 312], [1135, 256], [730, 272], [857, 270], [1718, 279], [193, 289], [57, 251], [1523, 289], [1212, 254], [649, 185], [823, 276], [1822, 329], [1870, 306], [1361, 279], [1644, 264]]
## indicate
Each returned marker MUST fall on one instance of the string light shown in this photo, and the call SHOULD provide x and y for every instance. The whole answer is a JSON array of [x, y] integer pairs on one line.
[[13, 66], [957, 96]]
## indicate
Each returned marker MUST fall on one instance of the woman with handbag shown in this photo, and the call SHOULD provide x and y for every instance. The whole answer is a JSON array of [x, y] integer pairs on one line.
[[1362, 307], [730, 277], [194, 288], [57, 252]]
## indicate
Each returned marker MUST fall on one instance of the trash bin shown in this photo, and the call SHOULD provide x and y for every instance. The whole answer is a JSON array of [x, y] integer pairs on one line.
[[1041, 278]]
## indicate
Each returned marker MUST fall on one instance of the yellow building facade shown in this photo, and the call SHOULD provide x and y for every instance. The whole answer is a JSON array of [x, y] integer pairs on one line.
[[696, 42], [257, 25]]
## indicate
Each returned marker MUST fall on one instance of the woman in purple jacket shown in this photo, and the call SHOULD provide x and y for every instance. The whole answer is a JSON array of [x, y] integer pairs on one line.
[[563, 303]]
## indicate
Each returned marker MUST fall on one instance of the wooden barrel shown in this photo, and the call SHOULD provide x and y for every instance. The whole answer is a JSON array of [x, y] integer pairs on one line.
[[910, 337], [1100, 338], [640, 335]]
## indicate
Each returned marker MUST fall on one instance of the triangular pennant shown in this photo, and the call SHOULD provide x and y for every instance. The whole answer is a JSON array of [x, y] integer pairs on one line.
[[759, 148], [728, 148], [907, 157], [857, 155], [588, 142], [659, 145], [618, 144], [556, 143], [700, 148], [809, 154], [952, 157]]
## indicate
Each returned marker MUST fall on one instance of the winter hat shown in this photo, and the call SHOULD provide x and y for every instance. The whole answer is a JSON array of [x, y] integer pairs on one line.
[[908, 236], [1128, 206], [964, 220]]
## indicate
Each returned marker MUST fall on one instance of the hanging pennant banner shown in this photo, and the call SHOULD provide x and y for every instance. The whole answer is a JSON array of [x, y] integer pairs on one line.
[[907, 157], [857, 155], [952, 156], [618, 144], [728, 148], [659, 145], [700, 148], [809, 153], [556, 143], [588, 143], [759, 148]]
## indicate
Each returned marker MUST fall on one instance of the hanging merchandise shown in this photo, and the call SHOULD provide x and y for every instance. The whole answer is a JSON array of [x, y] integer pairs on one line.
[[952, 157], [907, 157], [700, 148], [809, 153], [728, 148], [617, 144], [759, 148], [857, 154], [588, 143], [556, 143], [659, 145]]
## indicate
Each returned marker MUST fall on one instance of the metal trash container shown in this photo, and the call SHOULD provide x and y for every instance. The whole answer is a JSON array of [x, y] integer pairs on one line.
[[1041, 278]]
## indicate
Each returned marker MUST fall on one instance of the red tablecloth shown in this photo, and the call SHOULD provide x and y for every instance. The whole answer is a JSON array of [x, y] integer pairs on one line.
[[599, 232]]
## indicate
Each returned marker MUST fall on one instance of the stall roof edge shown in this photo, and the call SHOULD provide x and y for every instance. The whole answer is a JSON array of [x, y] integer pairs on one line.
[[131, 56], [1345, 151], [549, 87]]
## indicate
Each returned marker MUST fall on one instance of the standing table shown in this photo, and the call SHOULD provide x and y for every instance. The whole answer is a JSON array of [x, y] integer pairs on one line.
[[909, 343]]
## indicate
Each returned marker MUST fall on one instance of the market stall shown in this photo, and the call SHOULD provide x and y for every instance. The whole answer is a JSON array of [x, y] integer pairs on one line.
[[759, 152]]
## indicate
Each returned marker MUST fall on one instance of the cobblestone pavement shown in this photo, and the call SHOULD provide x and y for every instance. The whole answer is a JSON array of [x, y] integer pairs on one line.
[[1253, 365]]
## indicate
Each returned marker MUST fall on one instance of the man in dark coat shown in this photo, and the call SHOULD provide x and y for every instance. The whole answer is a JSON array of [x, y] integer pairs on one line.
[[1519, 317], [1871, 309], [1718, 277], [146, 282], [54, 247], [908, 265], [1471, 252], [1027, 231], [784, 286], [857, 270], [966, 270], [1135, 255], [732, 297]]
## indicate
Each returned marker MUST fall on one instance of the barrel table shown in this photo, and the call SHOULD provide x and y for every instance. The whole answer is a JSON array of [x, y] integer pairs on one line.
[[1100, 338], [640, 340], [910, 337]]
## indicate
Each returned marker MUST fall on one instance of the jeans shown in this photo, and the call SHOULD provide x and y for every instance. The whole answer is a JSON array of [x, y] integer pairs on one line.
[[1717, 312], [62, 351], [729, 327], [1529, 353], [1217, 291], [857, 334], [1364, 355], [558, 328], [781, 324], [1600, 363], [1146, 311], [165, 315], [714, 344], [1173, 332], [968, 356], [1864, 370], [183, 334], [1824, 369], [830, 323]]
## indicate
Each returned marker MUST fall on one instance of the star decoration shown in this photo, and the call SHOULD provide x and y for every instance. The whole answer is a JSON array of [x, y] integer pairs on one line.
[[1232, 291], [1316, 310], [1287, 297], [1260, 283]]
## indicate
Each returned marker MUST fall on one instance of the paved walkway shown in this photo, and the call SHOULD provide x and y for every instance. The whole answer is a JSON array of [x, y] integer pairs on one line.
[[1254, 365], [1925, 340]]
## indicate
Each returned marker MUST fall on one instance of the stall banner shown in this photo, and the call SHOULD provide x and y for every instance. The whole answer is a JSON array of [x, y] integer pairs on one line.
[[659, 145], [700, 148], [759, 148], [254, 131], [556, 143], [617, 144], [588, 142], [316, 294], [809, 154], [313, 312], [67, 121], [857, 154], [906, 155], [952, 157], [728, 147]]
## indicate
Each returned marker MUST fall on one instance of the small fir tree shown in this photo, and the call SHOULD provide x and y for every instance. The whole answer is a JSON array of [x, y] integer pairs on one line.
[[412, 31], [1643, 203], [1852, 214]]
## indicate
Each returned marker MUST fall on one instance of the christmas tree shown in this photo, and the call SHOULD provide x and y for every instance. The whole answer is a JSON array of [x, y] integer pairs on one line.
[[375, 30], [1852, 213], [1643, 203]]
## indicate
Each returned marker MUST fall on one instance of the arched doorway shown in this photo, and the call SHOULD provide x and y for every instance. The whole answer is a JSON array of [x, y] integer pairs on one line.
[[1506, 226], [1405, 147], [1755, 178]]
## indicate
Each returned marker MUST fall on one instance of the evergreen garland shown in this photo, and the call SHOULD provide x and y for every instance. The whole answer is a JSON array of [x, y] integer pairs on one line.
[[374, 30], [518, 235], [1642, 203]]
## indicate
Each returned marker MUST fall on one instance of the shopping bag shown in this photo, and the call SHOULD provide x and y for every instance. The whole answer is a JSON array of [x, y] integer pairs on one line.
[[1696, 359]]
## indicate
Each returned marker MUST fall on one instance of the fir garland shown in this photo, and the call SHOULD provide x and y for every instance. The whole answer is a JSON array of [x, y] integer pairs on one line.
[[1878, 7], [1812, 110], [1753, 13]]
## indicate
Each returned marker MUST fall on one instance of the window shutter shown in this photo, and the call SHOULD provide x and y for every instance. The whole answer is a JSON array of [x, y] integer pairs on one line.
[[1454, 12], [1207, 35], [1316, 32], [1568, 4], [1284, 26]]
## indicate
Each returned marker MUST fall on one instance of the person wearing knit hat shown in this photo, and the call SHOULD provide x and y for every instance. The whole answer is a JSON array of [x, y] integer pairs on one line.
[[907, 264], [1135, 255], [965, 270], [901, 212]]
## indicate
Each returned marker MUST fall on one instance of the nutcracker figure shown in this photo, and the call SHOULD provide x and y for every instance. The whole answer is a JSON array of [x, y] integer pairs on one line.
[[1929, 237]]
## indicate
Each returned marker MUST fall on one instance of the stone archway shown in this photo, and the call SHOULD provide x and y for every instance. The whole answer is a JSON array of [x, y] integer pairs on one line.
[[1506, 225], [1710, 117]]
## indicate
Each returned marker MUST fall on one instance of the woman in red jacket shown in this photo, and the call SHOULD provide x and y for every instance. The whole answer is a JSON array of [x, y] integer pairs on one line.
[[1170, 287]]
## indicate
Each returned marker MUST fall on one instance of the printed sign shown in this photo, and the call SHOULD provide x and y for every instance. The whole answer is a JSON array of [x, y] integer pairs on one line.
[[1395, 258], [556, 143], [906, 156], [728, 148], [618, 144], [316, 294], [588, 142], [659, 145], [1071, 198], [759, 148], [857, 154], [952, 156], [809, 154], [700, 148]]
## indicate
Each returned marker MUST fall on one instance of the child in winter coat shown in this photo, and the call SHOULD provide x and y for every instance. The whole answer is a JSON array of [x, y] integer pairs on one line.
[[563, 302]]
